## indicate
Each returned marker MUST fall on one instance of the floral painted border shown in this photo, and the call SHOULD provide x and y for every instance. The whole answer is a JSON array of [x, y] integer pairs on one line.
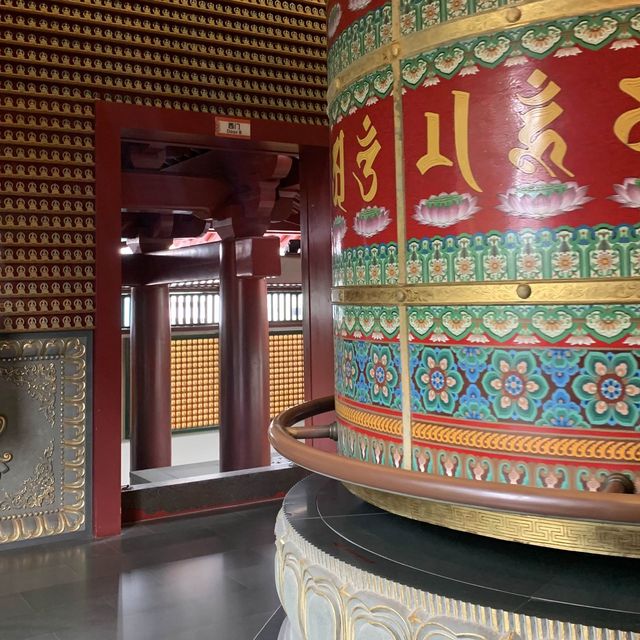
[[373, 322], [368, 372], [416, 15], [579, 476], [375, 264], [561, 37], [370, 447], [547, 387], [365, 92], [561, 253], [554, 325], [362, 37]]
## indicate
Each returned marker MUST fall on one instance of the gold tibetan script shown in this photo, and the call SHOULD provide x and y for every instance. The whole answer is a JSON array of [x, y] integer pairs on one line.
[[337, 171], [627, 121], [433, 157], [534, 135], [366, 158]]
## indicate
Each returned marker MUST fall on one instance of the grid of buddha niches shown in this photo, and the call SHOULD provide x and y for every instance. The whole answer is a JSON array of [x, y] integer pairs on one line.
[[286, 371], [249, 58], [195, 382]]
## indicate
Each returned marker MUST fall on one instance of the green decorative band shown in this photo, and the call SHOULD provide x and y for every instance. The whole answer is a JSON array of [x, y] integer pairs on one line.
[[362, 37], [560, 253], [374, 264], [373, 87], [543, 325], [373, 323], [519, 30], [417, 15], [560, 37], [569, 326]]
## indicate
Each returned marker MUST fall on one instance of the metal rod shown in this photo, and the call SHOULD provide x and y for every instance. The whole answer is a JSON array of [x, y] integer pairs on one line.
[[618, 483], [314, 432]]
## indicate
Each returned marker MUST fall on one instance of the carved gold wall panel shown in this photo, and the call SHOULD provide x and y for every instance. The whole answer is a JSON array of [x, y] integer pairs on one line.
[[43, 442], [250, 58]]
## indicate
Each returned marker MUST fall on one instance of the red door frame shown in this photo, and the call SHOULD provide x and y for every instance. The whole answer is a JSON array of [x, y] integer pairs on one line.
[[113, 123]]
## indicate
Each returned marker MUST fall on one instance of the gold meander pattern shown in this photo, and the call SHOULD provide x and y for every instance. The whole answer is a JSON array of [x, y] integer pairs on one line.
[[573, 535], [300, 566], [249, 58], [561, 446]]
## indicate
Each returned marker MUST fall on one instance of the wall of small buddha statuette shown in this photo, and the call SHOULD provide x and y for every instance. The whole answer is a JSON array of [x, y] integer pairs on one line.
[[248, 58]]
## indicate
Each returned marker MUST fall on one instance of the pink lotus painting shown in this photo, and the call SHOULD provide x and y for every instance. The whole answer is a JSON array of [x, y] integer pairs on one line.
[[543, 199], [628, 193], [446, 209], [371, 221]]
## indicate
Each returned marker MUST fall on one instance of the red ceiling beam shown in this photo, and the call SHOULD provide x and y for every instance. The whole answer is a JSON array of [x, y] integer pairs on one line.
[[173, 194]]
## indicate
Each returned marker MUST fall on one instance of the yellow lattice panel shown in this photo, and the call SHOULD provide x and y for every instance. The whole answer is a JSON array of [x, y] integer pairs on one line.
[[194, 383], [286, 371]]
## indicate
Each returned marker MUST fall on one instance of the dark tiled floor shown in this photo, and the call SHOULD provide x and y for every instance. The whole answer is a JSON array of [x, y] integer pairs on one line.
[[200, 578]]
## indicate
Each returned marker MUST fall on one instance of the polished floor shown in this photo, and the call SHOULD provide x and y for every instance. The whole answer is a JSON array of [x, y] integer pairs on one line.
[[200, 578]]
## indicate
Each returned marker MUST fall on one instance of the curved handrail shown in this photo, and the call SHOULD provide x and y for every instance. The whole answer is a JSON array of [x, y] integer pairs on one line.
[[607, 507]]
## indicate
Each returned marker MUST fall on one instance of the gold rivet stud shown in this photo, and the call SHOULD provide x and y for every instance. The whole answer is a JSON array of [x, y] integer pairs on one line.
[[523, 291], [395, 50], [513, 14], [401, 295]]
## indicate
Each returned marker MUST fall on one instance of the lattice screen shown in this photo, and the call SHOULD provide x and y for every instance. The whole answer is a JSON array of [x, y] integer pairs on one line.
[[286, 369], [194, 383]]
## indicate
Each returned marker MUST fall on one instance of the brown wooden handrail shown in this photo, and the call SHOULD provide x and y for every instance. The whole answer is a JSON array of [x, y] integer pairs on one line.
[[602, 506]]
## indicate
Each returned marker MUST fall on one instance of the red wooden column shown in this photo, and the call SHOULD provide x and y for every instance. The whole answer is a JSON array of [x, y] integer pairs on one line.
[[246, 259], [244, 366], [150, 377]]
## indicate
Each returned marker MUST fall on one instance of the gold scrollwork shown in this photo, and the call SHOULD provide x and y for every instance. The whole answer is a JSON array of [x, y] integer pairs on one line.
[[38, 490], [5, 456]]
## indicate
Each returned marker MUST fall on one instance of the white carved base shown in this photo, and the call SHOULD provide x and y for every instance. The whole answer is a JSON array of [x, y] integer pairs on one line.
[[326, 599], [286, 632]]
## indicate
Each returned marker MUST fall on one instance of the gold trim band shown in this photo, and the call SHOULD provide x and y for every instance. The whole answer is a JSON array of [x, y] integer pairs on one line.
[[532, 12], [603, 538], [562, 445], [605, 291]]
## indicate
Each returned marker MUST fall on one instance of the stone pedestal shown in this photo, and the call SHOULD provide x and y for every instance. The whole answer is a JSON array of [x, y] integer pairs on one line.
[[346, 570]]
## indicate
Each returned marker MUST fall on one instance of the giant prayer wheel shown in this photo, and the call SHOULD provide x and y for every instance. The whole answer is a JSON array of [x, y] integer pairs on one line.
[[486, 252]]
